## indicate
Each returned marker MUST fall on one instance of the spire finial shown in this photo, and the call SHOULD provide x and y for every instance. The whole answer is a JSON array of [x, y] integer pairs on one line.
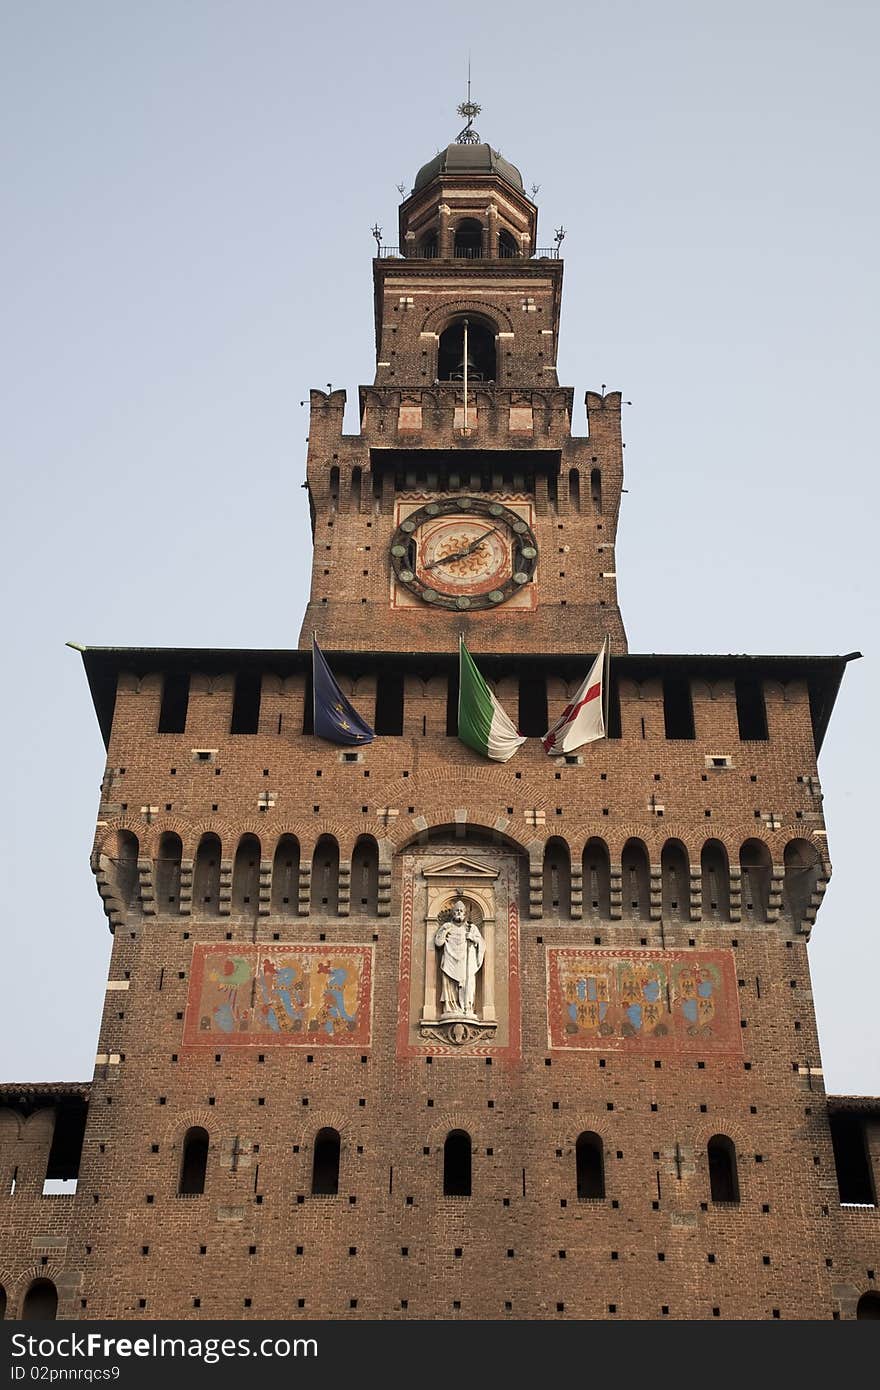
[[468, 109]]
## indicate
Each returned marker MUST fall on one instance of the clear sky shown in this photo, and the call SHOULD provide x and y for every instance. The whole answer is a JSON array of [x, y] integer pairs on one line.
[[188, 191]]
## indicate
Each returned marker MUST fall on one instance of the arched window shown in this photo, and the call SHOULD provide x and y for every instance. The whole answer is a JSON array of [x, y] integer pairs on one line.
[[427, 248], [481, 352], [124, 874], [325, 876], [723, 1180], [675, 875], [756, 866], [868, 1305], [193, 1162], [557, 878], [715, 882], [574, 489], [206, 875], [40, 1302], [596, 490], [356, 480], [325, 1163], [285, 876], [590, 1164], [457, 1164], [365, 876], [468, 240], [334, 485], [802, 868], [636, 880], [508, 245], [168, 872], [246, 876], [597, 879]]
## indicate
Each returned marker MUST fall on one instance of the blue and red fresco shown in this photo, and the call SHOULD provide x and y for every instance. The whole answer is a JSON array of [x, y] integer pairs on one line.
[[302, 995], [638, 1001]]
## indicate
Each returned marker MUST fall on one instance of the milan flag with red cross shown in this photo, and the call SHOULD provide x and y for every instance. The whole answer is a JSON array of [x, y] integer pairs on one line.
[[583, 719]]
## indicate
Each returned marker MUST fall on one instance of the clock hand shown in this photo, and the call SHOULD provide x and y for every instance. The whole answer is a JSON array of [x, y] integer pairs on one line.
[[460, 554]]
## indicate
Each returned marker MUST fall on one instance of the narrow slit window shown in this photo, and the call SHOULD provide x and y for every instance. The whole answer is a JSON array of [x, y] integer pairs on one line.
[[175, 702], [678, 709], [246, 703], [751, 710]]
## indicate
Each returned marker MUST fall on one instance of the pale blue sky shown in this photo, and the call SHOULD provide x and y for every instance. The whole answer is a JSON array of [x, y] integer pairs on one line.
[[188, 192]]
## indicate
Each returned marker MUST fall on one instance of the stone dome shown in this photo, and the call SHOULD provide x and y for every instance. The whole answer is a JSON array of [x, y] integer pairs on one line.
[[468, 159]]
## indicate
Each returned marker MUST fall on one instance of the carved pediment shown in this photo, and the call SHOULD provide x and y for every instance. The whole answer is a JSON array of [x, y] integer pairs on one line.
[[460, 868]]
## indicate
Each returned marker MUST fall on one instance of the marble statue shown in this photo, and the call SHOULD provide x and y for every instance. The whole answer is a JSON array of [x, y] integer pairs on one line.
[[463, 948]]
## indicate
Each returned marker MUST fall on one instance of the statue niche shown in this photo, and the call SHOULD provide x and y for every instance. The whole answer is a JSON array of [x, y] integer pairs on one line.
[[459, 998]]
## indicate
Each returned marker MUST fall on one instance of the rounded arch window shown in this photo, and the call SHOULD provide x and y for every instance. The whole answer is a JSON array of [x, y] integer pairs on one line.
[[590, 1166], [325, 1163], [40, 1302], [457, 1164], [507, 244], [468, 240], [868, 1305], [481, 356], [723, 1177], [194, 1162], [426, 250]]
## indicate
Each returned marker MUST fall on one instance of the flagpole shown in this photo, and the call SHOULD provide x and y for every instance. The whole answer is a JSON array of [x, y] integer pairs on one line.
[[465, 372], [607, 680], [314, 698], [458, 707]]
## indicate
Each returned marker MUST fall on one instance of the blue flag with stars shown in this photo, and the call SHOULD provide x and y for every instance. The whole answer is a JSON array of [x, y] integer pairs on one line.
[[335, 719]]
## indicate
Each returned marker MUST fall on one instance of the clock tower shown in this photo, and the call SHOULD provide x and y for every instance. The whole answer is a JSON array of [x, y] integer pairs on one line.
[[399, 1028], [467, 500]]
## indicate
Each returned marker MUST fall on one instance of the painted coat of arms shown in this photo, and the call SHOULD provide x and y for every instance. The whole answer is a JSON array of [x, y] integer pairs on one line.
[[305, 995], [677, 1001]]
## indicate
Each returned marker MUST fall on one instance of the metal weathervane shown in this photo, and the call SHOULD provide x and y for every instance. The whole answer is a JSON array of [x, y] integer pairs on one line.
[[468, 109]]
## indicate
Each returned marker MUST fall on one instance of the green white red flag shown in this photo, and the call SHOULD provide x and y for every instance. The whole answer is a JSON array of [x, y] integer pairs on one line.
[[482, 723], [583, 719]]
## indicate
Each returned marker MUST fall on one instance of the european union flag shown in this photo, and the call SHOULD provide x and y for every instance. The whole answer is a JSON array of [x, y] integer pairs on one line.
[[335, 719]]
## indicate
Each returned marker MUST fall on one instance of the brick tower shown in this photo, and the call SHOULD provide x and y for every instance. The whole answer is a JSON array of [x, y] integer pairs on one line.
[[298, 1108]]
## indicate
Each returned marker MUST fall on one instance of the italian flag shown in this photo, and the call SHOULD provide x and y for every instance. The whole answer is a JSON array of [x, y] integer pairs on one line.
[[482, 723]]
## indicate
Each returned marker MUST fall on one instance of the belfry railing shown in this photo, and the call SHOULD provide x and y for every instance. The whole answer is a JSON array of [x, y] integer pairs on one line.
[[468, 253]]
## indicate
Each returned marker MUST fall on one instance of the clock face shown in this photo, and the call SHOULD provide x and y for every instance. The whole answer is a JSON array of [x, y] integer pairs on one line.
[[464, 553]]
